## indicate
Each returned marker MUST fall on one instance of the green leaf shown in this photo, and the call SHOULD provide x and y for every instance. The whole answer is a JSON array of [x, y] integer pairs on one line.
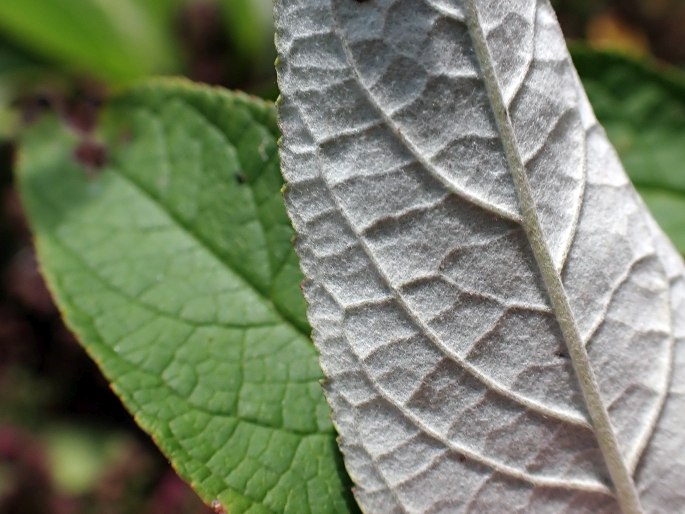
[[643, 111], [175, 268], [116, 41]]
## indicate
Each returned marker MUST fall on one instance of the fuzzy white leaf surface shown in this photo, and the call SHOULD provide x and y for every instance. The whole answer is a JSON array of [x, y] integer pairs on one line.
[[500, 321]]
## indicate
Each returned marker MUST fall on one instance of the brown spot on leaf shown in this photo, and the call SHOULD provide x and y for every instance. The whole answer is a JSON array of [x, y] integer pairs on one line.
[[91, 154], [561, 354], [32, 106], [82, 110]]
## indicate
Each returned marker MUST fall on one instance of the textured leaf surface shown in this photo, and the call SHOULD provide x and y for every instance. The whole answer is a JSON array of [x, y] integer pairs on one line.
[[643, 111], [494, 307], [175, 268]]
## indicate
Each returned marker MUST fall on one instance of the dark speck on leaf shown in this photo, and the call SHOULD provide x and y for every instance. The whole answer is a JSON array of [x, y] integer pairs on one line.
[[91, 154], [33, 106], [240, 178], [43, 102]]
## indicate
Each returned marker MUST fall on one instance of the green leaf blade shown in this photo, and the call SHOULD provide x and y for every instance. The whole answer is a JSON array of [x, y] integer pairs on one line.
[[164, 265]]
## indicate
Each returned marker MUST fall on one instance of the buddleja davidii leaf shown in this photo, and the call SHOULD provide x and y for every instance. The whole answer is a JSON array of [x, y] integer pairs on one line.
[[164, 264], [484, 282]]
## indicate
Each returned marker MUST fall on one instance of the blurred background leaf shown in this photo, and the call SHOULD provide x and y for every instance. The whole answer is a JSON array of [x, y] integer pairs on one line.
[[15, 68], [642, 109], [638, 26], [249, 23], [115, 41]]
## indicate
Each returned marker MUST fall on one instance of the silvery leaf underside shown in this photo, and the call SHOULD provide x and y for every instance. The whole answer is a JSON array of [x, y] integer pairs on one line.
[[499, 319]]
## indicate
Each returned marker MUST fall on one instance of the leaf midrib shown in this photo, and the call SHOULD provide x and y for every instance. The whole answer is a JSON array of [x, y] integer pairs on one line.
[[621, 476]]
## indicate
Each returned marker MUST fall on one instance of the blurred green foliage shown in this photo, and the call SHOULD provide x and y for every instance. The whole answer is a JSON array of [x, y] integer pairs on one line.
[[128, 39], [642, 109], [46, 44], [117, 40]]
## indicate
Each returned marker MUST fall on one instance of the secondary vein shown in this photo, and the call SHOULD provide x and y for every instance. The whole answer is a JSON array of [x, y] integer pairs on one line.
[[490, 383]]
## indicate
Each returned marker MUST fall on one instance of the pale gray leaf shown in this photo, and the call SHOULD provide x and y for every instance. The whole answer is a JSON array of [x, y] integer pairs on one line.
[[500, 320]]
